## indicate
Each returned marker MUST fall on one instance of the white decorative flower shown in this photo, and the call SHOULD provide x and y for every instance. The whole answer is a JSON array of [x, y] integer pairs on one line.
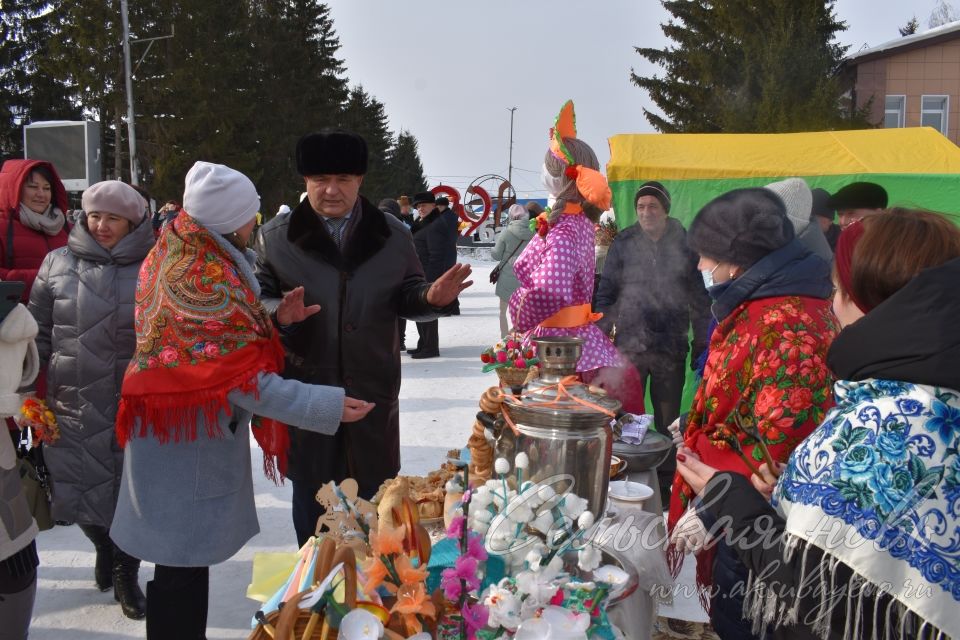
[[589, 558], [501, 466], [573, 505], [546, 492], [503, 606], [534, 557], [544, 521], [522, 461], [585, 521], [563, 622], [481, 515], [360, 624], [480, 527]]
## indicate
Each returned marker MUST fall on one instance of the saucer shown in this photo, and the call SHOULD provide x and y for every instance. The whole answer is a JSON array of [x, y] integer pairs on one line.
[[629, 491]]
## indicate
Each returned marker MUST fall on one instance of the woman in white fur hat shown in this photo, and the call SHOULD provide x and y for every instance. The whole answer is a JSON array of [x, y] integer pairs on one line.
[[207, 359]]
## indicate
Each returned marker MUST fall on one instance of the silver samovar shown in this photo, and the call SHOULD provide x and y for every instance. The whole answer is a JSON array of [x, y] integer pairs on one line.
[[567, 442]]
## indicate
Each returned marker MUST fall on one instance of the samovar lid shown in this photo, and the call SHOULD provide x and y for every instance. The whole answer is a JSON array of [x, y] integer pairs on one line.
[[569, 403]]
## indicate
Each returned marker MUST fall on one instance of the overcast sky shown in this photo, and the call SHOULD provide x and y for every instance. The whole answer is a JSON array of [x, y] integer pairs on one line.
[[449, 70]]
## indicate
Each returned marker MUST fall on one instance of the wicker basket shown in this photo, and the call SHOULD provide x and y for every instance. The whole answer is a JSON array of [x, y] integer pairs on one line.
[[290, 618], [512, 376]]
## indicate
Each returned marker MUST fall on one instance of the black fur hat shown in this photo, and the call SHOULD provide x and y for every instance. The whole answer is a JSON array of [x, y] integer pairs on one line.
[[859, 195], [331, 151], [741, 227]]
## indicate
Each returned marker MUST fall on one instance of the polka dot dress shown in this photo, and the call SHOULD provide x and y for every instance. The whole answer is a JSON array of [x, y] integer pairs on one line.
[[556, 272]]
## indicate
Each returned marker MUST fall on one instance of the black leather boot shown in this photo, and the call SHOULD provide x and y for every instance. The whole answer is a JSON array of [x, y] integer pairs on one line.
[[126, 588], [103, 569]]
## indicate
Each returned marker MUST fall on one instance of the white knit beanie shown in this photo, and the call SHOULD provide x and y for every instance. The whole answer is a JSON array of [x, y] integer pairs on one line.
[[218, 197], [798, 198]]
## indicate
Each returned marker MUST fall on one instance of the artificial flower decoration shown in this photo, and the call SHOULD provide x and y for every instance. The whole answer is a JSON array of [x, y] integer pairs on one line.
[[360, 624], [413, 603], [509, 352], [36, 415]]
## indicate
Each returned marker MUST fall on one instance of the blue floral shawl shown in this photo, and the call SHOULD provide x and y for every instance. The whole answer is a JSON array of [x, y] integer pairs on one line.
[[877, 486]]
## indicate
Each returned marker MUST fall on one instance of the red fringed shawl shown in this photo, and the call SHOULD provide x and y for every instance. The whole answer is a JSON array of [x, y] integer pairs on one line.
[[766, 374], [201, 333]]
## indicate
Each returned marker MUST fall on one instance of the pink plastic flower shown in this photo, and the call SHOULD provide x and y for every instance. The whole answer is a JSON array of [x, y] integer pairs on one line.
[[520, 363], [502, 356], [455, 530], [475, 616], [475, 548]]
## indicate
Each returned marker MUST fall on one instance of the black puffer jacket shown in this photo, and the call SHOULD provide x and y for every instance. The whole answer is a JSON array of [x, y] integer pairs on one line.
[[83, 301], [352, 342], [652, 291]]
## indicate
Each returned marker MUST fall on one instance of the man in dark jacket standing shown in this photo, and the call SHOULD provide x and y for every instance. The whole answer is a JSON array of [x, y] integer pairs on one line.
[[651, 291], [435, 238], [359, 273]]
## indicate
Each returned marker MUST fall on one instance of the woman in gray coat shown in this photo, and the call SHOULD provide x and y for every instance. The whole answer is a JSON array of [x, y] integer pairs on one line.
[[510, 244], [82, 300], [207, 359]]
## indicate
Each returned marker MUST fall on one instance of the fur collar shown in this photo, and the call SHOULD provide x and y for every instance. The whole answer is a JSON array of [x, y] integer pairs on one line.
[[307, 231]]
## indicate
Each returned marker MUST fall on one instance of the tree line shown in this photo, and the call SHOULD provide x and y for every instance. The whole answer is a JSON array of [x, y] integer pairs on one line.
[[749, 66], [237, 84]]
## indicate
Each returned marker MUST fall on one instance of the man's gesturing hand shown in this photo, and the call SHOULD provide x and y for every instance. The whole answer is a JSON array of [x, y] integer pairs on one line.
[[447, 287], [291, 309]]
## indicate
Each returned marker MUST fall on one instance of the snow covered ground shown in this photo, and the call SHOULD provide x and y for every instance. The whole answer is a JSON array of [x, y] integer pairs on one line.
[[438, 400]]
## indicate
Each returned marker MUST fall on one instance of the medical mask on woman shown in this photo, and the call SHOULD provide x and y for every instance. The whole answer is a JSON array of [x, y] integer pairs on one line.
[[707, 276]]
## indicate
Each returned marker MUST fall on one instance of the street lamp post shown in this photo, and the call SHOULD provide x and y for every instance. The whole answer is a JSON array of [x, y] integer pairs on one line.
[[510, 165]]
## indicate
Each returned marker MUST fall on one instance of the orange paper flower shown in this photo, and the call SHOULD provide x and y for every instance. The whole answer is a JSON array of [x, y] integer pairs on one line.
[[387, 541], [375, 571], [408, 573], [412, 600]]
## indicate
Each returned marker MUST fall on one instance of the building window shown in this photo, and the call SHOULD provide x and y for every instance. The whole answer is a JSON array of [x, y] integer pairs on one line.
[[894, 111], [933, 112]]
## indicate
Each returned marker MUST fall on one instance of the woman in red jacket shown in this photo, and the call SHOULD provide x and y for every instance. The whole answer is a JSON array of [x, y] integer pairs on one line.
[[32, 221]]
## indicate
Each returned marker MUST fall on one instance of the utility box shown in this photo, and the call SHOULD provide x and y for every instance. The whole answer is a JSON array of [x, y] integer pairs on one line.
[[72, 147]]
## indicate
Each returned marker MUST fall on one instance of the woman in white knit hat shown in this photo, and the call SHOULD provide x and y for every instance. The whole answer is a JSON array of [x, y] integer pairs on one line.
[[82, 300], [207, 359]]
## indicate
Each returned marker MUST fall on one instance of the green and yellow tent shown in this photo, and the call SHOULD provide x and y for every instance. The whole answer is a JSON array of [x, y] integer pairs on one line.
[[917, 166]]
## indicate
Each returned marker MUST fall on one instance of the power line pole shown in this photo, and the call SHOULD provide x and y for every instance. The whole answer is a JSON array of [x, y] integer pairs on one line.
[[510, 165], [131, 130]]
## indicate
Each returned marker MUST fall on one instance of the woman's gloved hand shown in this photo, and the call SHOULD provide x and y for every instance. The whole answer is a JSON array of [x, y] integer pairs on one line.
[[690, 534]]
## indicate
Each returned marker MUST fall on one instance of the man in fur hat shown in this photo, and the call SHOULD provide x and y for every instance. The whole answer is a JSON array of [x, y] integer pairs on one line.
[[359, 274]]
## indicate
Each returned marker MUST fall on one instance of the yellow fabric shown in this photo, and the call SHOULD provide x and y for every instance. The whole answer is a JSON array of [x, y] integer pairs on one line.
[[270, 572], [708, 156], [569, 317]]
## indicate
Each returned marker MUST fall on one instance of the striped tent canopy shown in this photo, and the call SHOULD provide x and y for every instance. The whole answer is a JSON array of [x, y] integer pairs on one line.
[[917, 166]]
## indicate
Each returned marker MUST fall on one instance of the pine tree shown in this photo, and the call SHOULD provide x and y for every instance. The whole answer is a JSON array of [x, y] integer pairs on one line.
[[27, 93], [942, 14], [365, 115], [910, 28], [748, 66], [405, 174], [194, 94], [302, 97]]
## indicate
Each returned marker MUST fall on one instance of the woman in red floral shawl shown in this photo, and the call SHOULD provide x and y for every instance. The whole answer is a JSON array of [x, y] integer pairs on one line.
[[765, 385]]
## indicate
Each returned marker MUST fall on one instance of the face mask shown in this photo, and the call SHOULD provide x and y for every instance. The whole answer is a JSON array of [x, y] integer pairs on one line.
[[553, 184], [707, 276]]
